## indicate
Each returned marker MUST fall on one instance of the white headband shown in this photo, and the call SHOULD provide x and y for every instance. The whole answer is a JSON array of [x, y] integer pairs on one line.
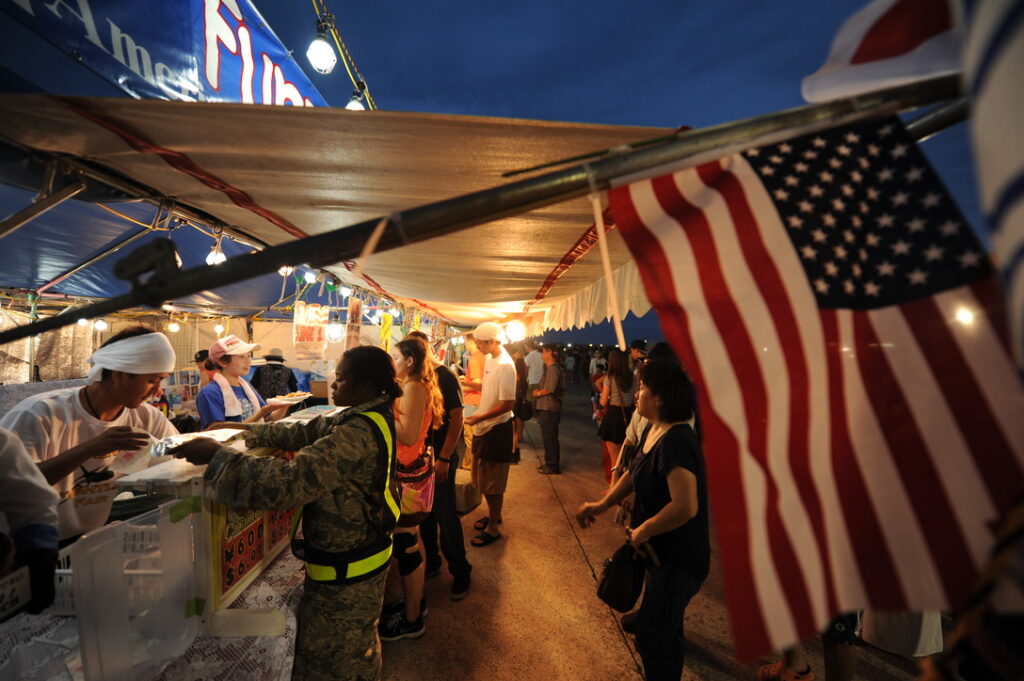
[[148, 354]]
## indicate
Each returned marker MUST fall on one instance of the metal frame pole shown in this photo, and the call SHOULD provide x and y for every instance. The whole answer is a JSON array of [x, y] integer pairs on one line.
[[455, 214]]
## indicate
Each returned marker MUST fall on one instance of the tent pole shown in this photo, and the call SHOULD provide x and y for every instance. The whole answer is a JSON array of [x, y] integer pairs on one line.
[[33, 315], [44, 204], [452, 215]]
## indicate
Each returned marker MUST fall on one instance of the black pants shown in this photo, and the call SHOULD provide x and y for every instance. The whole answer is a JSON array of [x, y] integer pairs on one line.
[[659, 623], [548, 422], [444, 518]]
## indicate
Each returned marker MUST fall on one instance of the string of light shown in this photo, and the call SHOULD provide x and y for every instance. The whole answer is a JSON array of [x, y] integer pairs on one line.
[[321, 56]]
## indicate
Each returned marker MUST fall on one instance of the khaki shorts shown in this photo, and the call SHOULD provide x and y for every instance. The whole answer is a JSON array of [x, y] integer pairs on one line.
[[490, 477]]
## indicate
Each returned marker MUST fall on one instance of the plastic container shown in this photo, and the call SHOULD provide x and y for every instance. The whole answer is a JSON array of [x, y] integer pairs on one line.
[[134, 595]]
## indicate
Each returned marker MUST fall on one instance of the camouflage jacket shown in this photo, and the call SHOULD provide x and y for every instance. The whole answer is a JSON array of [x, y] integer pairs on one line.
[[338, 474]]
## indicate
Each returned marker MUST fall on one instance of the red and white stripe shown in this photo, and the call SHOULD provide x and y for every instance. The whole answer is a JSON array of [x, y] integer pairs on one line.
[[854, 458], [885, 44]]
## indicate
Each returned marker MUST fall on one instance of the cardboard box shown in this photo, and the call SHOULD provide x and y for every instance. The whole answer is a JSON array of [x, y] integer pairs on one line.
[[467, 497], [318, 388]]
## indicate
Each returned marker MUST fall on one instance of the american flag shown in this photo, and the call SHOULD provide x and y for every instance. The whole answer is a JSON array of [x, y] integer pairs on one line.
[[863, 419]]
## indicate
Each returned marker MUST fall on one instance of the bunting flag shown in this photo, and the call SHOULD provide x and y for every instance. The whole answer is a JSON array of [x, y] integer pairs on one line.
[[862, 415], [994, 66], [885, 44]]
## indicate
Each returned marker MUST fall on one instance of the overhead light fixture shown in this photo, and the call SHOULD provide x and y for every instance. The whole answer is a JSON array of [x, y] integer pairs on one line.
[[516, 331], [356, 103], [83, 322], [285, 271], [345, 291], [216, 255], [219, 329], [335, 332], [310, 277], [320, 53], [99, 325], [395, 312], [174, 327]]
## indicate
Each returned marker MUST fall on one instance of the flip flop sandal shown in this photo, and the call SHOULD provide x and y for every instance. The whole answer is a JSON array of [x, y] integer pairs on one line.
[[485, 538], [482, 523]]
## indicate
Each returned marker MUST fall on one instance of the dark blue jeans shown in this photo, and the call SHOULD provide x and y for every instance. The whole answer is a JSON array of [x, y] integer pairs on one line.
[[548, 422], [659, 623], [443, 518]]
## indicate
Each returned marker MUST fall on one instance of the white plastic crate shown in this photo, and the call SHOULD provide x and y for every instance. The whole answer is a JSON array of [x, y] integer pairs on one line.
[[134, 595]]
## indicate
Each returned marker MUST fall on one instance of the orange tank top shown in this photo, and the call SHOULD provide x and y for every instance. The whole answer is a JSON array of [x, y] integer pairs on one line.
[[408, 454]]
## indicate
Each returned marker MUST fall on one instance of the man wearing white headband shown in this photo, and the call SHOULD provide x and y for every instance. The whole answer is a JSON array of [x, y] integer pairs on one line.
[[75, 434]]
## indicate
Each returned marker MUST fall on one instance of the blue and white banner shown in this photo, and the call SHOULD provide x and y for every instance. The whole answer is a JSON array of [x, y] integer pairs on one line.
[[191, 50]]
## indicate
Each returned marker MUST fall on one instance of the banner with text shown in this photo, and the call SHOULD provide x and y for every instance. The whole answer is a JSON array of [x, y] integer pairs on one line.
[[192, 50]]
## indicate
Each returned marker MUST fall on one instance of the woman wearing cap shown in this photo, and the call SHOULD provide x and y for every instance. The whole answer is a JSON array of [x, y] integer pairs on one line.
[[229, 397]]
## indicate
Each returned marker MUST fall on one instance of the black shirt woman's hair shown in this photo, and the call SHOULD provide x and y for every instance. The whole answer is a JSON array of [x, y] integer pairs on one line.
[[666, 379]]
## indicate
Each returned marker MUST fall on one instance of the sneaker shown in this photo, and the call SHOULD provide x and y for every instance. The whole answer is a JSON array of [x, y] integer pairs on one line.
[[460, 587], [398, 627], [628, 622], [778, 671], [395, 607]]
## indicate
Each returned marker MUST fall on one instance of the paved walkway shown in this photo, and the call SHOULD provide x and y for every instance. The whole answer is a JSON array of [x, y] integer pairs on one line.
[[532, 612]]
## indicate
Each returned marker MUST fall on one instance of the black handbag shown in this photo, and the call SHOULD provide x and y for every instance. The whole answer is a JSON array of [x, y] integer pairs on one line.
[[622, 579]]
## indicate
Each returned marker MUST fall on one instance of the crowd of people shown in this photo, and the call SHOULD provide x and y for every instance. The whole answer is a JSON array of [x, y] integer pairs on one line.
[[376, 482]]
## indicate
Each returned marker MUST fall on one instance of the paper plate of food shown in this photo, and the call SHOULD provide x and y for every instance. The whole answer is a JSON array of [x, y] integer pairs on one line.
[[290, 398]]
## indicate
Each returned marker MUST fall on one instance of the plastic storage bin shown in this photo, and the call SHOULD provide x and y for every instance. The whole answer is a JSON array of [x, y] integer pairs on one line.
[[134, 595]]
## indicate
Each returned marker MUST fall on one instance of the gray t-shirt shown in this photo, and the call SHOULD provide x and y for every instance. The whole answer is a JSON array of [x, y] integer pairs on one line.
[[552, 382]]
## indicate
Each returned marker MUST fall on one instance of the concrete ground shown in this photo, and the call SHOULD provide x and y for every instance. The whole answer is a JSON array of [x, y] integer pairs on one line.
[[532, 612]]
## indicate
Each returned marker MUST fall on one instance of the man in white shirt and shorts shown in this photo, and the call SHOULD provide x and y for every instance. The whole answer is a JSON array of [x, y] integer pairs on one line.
[[492, 430]]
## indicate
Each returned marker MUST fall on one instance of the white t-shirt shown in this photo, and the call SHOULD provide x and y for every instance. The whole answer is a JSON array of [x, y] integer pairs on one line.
[[26, 499], [534, 367], [53, 422], [499, 384]]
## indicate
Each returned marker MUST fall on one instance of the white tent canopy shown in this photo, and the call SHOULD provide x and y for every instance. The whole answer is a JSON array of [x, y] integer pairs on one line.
[[277, 173]]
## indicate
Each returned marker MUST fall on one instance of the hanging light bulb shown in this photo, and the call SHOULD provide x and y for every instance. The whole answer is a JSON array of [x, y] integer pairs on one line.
[[335, 332], [219, 329], [99, 325], [345, 291], [516, 331], [216, 255], [356, 103], [285, 271], [310, 277], [320, 53], [395, 312], [83, 322], [174, 327]]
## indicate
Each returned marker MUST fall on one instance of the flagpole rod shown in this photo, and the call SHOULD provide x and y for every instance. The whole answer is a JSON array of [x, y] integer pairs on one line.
[[938, 119], [469, 210]]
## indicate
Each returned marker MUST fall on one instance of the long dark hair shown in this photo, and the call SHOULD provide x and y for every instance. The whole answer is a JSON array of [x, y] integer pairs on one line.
[[618, 368], [369, 364]]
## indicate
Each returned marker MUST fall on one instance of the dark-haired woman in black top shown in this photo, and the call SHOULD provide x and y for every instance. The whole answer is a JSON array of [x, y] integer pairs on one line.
[[669, 513]]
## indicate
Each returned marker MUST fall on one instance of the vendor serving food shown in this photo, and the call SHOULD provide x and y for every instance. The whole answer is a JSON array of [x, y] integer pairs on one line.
[[75, 434], [229, 397]]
